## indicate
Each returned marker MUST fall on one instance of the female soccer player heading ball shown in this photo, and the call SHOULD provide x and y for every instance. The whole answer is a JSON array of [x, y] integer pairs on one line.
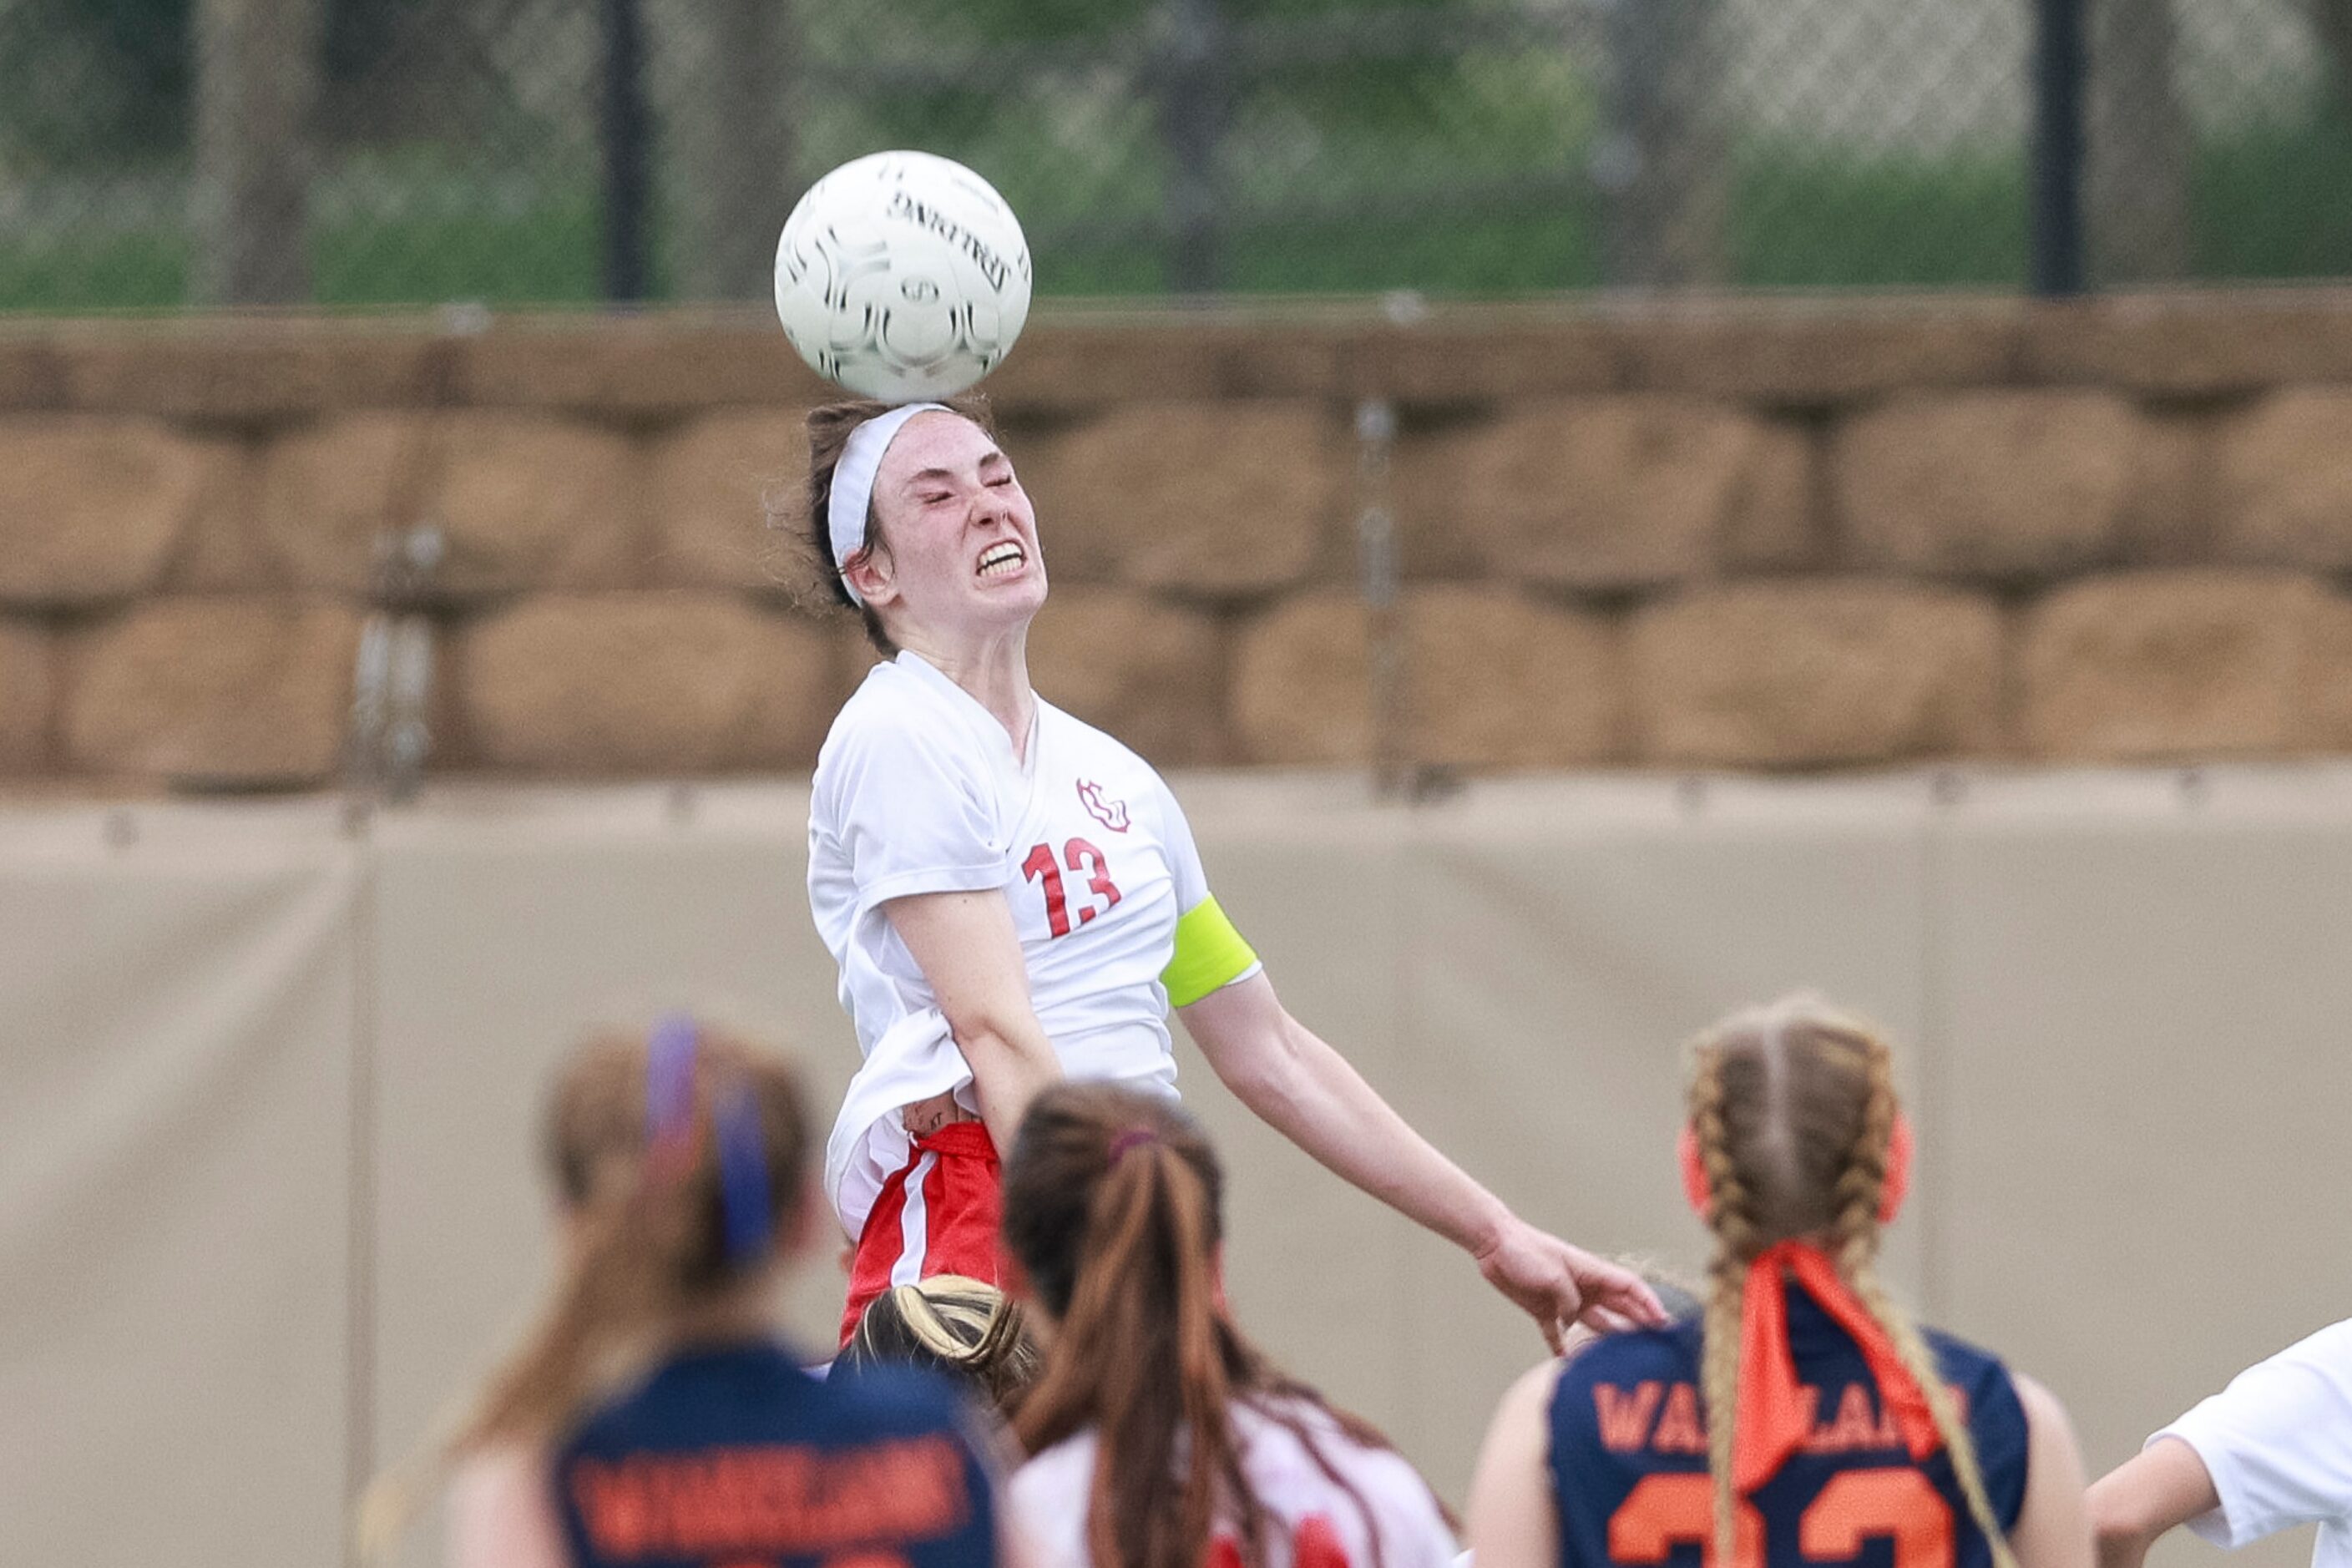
[[1013, 896]]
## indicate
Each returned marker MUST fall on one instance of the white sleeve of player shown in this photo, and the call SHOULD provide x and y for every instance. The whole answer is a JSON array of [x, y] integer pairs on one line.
[[2277, 1441], [1183, 855], [912, 814]]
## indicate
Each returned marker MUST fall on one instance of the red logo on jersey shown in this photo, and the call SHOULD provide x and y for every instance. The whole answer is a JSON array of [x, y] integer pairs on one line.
[[1111, 814]]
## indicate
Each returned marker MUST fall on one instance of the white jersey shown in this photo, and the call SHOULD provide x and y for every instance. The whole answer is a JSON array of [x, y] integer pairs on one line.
[[2278, 1444], [1391, 1501], [918, 791]]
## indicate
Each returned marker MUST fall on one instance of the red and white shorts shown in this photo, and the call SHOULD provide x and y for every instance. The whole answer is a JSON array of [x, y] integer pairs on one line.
[[938, 1213]]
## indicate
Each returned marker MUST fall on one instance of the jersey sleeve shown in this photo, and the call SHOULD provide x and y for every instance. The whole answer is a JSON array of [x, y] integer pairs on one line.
[[1211, 954], [2277, 1441], [912, 813]]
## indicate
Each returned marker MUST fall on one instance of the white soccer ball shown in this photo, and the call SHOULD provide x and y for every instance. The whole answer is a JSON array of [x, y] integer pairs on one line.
[[902, 276]]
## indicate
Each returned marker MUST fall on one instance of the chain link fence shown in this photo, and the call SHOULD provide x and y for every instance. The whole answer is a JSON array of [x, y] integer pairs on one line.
[[160, 153]]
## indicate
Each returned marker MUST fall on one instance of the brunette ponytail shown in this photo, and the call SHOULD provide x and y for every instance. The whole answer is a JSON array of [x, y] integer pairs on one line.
[[1113, 1206]]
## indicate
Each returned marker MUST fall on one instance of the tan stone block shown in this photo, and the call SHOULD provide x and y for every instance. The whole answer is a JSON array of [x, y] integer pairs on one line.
[[232, 692], [727, 496], [1301, 683], [252, 371], [92, 508], [32, 375], [1796, 674], [1777, 520], [2169, 511], [1996, 484], [224, 550], [28, 690], [1807, 353], [522, 502], [1487, 677], [2192, 343], [1580, 493], [1069, 364], [1492, 678], [2154, 665], [649, 367], [1203, 500], [2283, 487], [1485, 357], [665, 684], [2325, 694], [1149, 673]]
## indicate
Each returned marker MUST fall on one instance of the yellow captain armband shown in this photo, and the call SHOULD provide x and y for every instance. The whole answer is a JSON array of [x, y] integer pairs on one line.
[[1210, 954]]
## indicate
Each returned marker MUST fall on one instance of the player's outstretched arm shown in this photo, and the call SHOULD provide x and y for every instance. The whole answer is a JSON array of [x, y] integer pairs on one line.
[[1305, 1091], [2054, 1528], [967, 947], [2162, 1486]]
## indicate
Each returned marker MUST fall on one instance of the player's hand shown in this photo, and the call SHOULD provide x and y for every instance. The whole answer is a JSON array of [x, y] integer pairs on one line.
[[1557, 1284]]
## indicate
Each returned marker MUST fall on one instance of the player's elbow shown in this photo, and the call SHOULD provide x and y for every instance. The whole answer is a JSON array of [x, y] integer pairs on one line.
[[1265, 1067], [990, 1043], [2122, 1523]]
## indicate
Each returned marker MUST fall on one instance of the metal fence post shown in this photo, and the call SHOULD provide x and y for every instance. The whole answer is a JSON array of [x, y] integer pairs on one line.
[[257, 91], [625, 128], [1661, 168], [1191, 119], [728, 125], [2061, 62], [2136, 167]]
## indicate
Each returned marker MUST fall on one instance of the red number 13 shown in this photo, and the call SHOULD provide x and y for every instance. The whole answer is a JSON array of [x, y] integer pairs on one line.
[[1079, 856]]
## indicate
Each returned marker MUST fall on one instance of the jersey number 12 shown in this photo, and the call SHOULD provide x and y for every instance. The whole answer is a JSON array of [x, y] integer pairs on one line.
[[1081, 857]]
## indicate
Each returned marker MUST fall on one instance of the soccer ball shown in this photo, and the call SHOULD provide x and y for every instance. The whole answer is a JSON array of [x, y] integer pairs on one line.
[[902, 276]]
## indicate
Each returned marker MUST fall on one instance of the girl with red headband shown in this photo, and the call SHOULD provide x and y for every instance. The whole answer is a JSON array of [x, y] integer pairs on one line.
[[1803, 1418]]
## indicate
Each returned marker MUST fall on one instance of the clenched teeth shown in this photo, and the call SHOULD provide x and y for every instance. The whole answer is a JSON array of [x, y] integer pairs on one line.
[[1001, 559]]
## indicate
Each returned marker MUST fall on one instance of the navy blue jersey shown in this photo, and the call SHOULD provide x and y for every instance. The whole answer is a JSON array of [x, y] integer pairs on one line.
[[1629, 1460], [737, 1456]]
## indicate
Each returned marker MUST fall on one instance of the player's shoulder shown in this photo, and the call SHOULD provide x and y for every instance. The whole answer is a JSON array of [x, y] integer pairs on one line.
[[890, 697], [1096, 744], [2329, 1351], [1963, 1361], [894, 1400], [895, 713], [1633, 1356]]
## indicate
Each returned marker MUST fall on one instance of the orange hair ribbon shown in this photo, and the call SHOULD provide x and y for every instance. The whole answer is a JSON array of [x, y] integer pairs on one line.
[[1775, 1418]]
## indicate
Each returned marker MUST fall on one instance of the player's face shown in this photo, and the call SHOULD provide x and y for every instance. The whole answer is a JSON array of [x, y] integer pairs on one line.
[[962, 539]]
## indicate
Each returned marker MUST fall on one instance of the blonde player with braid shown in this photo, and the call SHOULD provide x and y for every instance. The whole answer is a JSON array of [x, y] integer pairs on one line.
[[1804, 1419]]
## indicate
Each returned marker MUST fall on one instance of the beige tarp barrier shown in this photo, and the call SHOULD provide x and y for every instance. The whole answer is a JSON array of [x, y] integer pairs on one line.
[[266, 1194]]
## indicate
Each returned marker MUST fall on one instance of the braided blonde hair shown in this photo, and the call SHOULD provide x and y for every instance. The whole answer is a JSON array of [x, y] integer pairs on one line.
[[1793, 1108], [951, 1323]]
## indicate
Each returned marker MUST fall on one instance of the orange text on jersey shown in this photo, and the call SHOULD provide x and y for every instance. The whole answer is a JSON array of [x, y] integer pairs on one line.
[[772, 1500], [1664, 1418]]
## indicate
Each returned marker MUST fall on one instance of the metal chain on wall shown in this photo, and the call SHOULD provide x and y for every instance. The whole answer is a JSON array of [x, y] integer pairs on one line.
[[170, 152]]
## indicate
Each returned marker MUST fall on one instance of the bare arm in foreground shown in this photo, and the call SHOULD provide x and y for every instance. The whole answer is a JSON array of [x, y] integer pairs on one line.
[[1308, 1092]]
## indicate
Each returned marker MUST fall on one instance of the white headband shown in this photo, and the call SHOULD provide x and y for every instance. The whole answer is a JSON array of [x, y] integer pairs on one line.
[[853, 483]]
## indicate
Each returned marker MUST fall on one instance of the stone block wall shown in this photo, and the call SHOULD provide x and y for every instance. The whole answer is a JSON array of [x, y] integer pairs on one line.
[[1767, 534]]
